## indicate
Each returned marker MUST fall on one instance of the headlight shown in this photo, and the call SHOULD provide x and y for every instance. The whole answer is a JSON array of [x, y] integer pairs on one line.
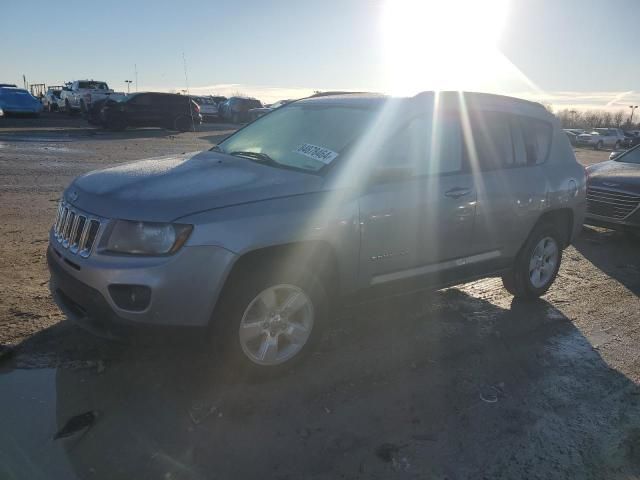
[[147, 238], [1, 112]]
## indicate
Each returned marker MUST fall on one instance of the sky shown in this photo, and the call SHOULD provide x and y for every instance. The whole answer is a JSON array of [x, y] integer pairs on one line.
[[568, 53]]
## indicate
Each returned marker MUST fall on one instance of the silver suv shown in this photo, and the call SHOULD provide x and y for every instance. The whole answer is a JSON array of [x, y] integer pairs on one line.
[[319, 200]]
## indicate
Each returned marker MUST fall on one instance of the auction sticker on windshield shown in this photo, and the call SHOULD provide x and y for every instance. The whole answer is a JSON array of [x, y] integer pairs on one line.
[[321, 154]]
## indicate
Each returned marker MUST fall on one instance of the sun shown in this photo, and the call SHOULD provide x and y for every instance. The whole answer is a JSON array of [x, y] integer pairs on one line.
[[443, 44]]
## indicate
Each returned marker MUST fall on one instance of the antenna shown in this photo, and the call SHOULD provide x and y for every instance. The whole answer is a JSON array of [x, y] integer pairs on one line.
[[186, 79]]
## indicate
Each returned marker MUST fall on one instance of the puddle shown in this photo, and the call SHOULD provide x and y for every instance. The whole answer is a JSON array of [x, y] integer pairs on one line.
[[27, 448], [32, 139], [41, 147]]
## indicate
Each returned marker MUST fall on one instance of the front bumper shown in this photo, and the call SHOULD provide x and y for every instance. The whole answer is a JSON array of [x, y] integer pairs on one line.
[[632, 223], [184, 287]]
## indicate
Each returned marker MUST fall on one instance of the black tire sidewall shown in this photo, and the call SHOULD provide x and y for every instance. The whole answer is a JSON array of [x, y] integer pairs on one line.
[[520, 279], [237, 296], [182, 123]]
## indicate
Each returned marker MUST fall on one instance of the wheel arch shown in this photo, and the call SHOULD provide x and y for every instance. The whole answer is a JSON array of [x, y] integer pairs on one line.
[[562, 219], [317, 255]]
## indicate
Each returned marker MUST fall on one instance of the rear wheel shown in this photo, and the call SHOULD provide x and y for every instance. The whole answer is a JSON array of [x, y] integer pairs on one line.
[[116, 123], [536, 265], [599, 145], [270, 320], [617, 145], [183, 123], [67, 107]]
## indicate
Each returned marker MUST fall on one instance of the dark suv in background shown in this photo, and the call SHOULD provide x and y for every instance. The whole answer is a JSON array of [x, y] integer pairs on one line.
[[152, 109], [236, 109]]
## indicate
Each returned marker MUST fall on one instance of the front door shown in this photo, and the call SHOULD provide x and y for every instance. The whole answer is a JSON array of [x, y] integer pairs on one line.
[[417, 213]]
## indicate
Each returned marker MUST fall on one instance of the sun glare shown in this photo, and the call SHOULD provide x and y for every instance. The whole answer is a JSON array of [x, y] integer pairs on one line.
[[443, 45]]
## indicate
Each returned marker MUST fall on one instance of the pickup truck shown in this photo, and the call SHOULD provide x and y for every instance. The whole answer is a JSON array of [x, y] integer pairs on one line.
[[602, 137], [77, 96]]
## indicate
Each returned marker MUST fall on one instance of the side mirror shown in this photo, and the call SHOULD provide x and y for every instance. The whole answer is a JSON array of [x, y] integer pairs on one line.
[[615, 155]]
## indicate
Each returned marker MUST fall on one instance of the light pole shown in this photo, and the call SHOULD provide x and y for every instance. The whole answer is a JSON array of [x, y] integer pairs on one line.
[[128, 82], [633, 109]]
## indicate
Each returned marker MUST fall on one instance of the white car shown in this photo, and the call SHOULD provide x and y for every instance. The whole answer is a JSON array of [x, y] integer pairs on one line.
[[602, 137], [51, 100], [208, 107], [77, 96]]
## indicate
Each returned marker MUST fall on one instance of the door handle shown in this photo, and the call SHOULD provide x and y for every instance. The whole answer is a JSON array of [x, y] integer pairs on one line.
[[457, 192]]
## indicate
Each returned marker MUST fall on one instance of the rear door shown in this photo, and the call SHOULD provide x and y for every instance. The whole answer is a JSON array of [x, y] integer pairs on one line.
[[417, 213], [139, 109], [506, 154]]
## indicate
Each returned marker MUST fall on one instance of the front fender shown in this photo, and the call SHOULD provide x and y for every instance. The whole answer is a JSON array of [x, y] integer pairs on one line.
[[330, 217]]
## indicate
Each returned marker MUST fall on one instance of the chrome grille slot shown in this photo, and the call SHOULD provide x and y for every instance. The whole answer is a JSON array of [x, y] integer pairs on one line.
[[75, 230], [610, 203]]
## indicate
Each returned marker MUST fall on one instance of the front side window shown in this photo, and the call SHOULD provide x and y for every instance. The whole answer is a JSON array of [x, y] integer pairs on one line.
[[632, 156], [423, 146], [307, 137]]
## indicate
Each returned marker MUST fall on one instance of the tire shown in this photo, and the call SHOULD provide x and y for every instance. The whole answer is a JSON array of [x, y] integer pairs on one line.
[[83, 107], [542, 249], [617, 145], [257, 339], [116, 123], [67, 107], [235, 118], [182, 123], [598, 146]]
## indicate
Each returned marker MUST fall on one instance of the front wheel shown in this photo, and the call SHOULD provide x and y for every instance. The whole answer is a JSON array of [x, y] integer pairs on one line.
[[598, 145], [617, 145], [537, 264], [270, 320]]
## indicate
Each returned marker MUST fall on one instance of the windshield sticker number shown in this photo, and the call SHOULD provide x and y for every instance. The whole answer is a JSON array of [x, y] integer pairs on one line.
[[321, 154]]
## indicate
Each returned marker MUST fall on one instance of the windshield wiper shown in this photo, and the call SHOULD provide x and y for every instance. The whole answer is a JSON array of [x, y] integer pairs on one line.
[[261, 157]]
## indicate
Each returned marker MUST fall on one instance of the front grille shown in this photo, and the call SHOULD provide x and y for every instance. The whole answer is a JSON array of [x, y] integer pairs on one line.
[[610, 203], [76, 231]]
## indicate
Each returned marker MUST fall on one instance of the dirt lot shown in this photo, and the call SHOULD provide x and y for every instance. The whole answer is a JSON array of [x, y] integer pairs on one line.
[[461, 383]]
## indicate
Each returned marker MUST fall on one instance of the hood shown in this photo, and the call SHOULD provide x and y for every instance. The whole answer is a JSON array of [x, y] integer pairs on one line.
[[165, 189], [616, 175]]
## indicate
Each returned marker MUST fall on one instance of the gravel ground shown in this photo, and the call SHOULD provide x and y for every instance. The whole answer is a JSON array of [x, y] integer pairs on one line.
[[460, 383]]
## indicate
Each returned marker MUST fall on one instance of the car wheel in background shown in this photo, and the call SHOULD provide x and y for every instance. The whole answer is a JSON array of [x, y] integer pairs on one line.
[[598, 146], [116, 123], [83, 107], [536, 265], [67, 107], [183, 123], [235, 118], [617, 145], [269, 321]]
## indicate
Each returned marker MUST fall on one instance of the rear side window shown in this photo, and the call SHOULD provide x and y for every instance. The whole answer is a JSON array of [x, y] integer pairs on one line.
[[490, 145], [500, 140], [537, 137]]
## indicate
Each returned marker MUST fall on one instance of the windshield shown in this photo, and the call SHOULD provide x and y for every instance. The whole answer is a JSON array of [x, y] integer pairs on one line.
[[14, 92], [631, 156], [93, 85], [600, 131], [305, 137]]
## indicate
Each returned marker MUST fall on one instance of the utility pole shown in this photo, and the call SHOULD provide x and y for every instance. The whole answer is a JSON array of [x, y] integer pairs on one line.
[[633, 109], [128, 82]]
